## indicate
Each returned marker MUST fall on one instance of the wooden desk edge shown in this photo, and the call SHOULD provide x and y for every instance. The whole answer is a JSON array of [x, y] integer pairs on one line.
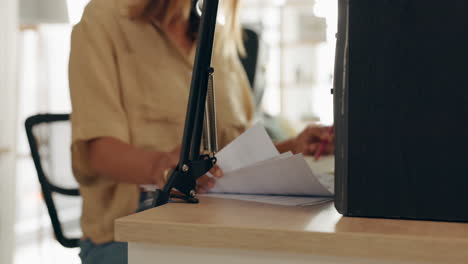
[[372, 246]]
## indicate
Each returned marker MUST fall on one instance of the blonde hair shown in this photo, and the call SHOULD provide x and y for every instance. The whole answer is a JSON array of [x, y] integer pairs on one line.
[[233, 33], [229, 39]]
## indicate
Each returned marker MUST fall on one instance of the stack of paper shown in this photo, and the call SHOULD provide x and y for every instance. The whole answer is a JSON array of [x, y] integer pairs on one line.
[[253, 166], [274, 199]]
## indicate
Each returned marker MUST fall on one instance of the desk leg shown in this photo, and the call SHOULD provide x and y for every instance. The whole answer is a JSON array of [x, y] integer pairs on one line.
[[139, 253]]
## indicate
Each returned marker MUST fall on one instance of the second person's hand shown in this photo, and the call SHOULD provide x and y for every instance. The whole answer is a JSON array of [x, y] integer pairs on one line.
[[309, 140]]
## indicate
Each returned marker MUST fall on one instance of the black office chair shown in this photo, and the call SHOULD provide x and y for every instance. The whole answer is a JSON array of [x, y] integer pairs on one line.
[[251, 62], [47, 186], [254, 66]]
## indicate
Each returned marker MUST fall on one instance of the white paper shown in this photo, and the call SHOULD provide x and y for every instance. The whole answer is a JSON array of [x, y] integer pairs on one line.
[[274, 199], [324, 170], [325, 165], [280, 156], [252, 165], [253, 146], [327, 181], [284, 176]]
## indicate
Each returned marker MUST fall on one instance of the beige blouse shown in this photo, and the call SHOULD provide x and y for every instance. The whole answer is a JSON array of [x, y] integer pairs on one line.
[[129, 81]]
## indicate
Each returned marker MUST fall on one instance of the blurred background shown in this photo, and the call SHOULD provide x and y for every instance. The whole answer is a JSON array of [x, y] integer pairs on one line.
[[292, 82]]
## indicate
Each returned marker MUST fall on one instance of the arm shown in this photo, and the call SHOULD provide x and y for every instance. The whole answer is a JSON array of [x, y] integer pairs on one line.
[[123, 162], [100, 129], [285, 146], [308, 141]]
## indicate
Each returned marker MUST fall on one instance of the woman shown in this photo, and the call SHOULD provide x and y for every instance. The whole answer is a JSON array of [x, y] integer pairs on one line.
[[130, 71]]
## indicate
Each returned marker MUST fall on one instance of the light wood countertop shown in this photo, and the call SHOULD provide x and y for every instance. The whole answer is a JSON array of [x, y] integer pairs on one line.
[[318, 230]]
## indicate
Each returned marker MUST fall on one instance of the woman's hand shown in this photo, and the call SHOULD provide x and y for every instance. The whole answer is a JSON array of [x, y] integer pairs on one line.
[[163, 164], [310, 139], [206, 182], [167, 161]]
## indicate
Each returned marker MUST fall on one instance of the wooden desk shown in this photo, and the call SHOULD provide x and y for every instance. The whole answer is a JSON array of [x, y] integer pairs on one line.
[[228, 231]]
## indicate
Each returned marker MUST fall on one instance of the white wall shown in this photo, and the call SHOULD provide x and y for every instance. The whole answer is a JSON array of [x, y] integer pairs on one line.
[[8, 55]]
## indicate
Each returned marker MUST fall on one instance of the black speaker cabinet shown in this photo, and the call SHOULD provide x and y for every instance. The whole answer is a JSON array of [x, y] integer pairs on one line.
[[401, 109]]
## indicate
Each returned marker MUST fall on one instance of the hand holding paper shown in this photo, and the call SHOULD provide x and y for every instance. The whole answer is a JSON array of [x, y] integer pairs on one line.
[[252, 165]]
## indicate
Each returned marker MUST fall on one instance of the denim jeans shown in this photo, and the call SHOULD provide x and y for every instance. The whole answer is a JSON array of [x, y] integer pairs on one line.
[[112, 252], [107, 253]]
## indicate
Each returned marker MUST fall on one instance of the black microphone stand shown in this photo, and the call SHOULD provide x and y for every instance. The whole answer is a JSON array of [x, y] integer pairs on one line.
[[192, 164]]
